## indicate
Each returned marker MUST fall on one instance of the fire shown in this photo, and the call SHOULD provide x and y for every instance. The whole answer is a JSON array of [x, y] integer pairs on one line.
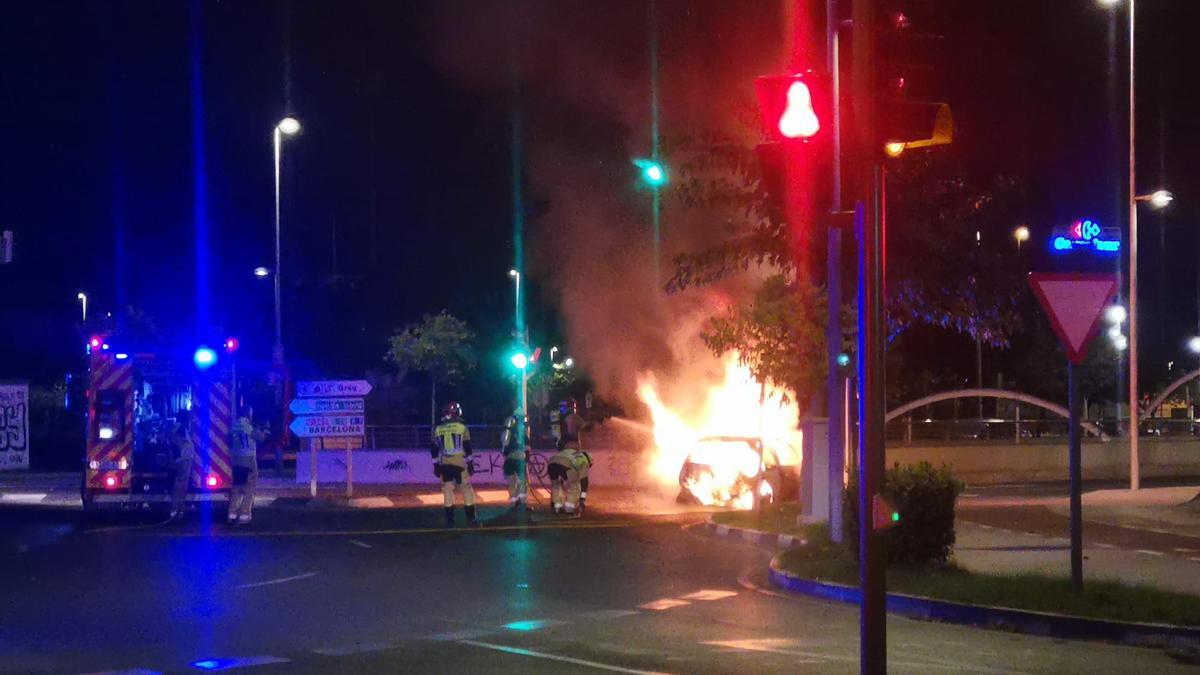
[[719, 437]]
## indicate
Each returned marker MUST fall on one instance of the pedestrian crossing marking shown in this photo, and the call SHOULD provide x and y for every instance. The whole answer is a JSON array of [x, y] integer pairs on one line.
[[708, 594]]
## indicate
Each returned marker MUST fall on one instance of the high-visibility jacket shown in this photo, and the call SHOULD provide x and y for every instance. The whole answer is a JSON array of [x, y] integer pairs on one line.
[[245, 443], [451, 443], [513, 441]]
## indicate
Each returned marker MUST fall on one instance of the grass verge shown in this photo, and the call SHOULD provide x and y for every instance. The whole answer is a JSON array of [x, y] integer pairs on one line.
[[778, 519], [1099, 600]]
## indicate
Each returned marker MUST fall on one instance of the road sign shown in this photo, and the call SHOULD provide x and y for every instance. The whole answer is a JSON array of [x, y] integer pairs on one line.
[[319, 406], [356, 388], [313, 426], [1074, 304]]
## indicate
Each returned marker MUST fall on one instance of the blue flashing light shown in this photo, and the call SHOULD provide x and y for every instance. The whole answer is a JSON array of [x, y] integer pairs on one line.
[[121, 356], [104, 346], [204, 358], [208, 664], [1107, 245], [1062, 244]]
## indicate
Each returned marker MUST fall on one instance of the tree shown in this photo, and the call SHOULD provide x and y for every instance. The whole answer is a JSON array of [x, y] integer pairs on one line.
[[440, 345], [938, 274]]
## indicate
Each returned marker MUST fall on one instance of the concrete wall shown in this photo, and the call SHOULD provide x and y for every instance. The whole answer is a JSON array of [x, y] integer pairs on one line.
[[1008, 463]]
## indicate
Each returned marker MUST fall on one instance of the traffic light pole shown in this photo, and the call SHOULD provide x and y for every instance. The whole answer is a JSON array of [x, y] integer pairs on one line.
[[836, 383], [870, 229]]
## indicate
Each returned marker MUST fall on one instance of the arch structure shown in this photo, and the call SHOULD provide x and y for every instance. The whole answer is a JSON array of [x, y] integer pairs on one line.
[[1166, 393], [996, 393]]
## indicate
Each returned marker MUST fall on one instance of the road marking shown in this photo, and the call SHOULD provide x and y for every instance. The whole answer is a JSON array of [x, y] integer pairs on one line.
[[360, 544], [1194, 559], [1146, 552], [1186, 550], [782, 646], [356, 649], [241, 662], [554, 657], [23, 497], [284, 580], [709, 595], [574, 525], [665, 603], [1099, 545], [534, 624], [605, 614]]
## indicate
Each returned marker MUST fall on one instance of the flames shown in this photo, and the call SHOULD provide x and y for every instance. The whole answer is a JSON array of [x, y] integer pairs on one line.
[[734, 406]]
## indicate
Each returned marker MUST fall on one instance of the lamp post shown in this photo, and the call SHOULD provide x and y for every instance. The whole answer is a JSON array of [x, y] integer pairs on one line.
[[82, 298], [287, 126], [1021, 234]]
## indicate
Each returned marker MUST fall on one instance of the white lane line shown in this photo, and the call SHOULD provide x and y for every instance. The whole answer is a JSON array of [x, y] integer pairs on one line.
[[23, 497], [1146, 552], [284, 580], [605, 614], [1186, 550], [665, 603], [1100, 545], [555, 657], [360, 544], [1194, 559], [213, 665], [782, 646], [356, 648], [708, 594]]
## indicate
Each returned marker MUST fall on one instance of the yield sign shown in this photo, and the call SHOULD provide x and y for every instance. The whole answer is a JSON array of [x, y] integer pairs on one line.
[[1074, 303]]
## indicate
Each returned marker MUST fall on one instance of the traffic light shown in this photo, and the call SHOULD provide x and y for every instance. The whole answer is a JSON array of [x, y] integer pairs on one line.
[[884, 514], [519, 360], [843, 363], [231, 345], [796, 160], [907, 113], [654, 174]]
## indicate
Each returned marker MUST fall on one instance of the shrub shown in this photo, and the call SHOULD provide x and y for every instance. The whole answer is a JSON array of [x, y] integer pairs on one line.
[[925, 498]]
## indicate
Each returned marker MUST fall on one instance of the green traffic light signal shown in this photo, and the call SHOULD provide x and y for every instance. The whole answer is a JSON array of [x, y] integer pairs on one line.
[[654, 174], [519, 360], [843, 360], [895, 516]]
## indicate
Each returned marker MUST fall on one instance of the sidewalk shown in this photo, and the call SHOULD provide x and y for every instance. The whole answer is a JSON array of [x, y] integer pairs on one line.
[[1151, 537], [61, 490]]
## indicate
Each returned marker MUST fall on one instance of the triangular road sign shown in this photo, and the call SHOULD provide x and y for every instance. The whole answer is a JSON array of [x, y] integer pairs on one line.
[[1074, 303]]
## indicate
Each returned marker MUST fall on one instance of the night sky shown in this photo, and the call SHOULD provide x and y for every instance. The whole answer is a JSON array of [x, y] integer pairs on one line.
[[403, 164]]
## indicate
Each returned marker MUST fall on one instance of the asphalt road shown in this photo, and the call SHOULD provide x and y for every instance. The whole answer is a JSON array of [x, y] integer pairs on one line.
[[387, 591]]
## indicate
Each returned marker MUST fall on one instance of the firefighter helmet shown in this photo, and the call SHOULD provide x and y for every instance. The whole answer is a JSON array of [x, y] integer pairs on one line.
[[452, 410]]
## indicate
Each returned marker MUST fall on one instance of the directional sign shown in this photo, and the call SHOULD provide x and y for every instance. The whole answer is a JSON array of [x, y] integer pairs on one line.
[[319, 406], [312, 426], [355, 388], [1074, 303]]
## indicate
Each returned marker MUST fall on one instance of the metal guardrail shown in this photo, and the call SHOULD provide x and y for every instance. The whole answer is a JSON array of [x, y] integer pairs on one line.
[[911, 430], [483, 437]]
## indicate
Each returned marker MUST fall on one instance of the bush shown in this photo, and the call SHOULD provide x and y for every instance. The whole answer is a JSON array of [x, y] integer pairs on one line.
[[925, 498]]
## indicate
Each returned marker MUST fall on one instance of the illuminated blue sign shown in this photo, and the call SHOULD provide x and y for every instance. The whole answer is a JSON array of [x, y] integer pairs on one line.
[[1086, 234]]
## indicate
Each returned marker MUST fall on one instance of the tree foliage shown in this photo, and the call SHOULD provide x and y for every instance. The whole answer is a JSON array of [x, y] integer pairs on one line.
[[440, 345]]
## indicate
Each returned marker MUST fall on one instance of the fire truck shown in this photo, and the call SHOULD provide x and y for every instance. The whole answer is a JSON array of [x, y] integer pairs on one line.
[[134, 398]]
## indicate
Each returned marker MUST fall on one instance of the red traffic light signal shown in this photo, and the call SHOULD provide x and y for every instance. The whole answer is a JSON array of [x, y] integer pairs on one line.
[[795, 108]]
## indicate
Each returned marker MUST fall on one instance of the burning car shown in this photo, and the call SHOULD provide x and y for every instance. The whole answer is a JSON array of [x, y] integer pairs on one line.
[[725, 471]]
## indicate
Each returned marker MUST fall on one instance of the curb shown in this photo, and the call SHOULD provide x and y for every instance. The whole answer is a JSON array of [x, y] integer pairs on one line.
[[758, 537], [1000, 618]]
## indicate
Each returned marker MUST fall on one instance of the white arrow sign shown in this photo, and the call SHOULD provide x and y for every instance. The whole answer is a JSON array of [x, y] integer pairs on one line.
[[356, 388], [319, 406], [313, 426]]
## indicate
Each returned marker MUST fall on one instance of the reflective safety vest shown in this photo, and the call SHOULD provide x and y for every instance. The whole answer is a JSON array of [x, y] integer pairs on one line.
[[452, 443], [513, 441]]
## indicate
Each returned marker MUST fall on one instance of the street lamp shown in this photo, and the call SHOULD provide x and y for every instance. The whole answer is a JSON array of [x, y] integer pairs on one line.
[[1021, 234], [262, 272], [1194, 345], [1158, 199], [1116, 314], [287, 126], [82, 298]]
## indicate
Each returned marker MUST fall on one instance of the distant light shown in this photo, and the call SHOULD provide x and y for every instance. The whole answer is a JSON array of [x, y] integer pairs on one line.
[[261, 272], [94, 342], [230, 345], [121, 356], [81, 296], [106, 433], [1114, 332], [1194, 345], [1121, 343], [1116, 314], [843, 359], [520, 361], [514, 273], [204, 358], [653, 173], [893, 148], [1161, 198], [104, 346], [213, 481], [1021, 233], [569, 362], [289, 125]]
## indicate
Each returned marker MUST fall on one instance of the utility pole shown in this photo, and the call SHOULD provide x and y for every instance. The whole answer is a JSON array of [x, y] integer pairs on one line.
[[836, 384]]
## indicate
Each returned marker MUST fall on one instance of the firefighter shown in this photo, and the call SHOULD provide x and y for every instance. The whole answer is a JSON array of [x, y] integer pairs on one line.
[[245, 466], [568, 473], [515, 447], [579, 488], [565, 423], [451, 450], [183, 452]]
